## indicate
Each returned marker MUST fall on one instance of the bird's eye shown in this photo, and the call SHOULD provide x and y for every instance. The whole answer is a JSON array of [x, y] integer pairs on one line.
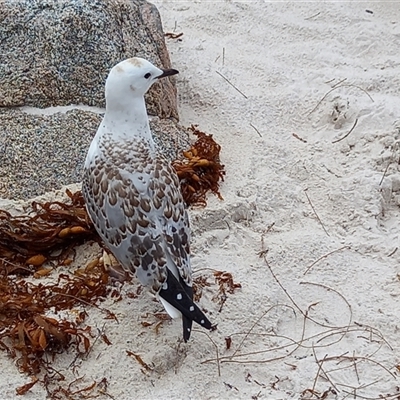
[[148, 75]]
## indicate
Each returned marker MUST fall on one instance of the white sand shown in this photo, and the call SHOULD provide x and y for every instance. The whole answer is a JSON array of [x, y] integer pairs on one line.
[[284, 57]]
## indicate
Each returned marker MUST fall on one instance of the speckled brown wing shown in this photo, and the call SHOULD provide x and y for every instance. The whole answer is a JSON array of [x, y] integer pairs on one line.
[[134, 201]]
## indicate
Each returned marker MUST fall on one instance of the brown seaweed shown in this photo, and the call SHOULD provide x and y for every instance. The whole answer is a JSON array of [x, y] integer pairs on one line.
[[201, 170]]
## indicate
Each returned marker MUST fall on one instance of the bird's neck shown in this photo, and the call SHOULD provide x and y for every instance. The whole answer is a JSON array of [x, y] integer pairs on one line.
[[127, 118]]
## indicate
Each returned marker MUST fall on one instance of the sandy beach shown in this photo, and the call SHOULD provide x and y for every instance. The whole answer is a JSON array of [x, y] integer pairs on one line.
[[304, 99]]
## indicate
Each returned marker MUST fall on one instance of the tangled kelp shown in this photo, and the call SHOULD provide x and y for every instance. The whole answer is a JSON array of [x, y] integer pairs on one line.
[[49, 233], [26, 330], [201, 170]]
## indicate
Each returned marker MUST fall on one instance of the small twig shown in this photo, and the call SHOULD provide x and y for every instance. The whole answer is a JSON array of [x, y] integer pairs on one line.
[[319, 220], [384, 173], [139, 359], [227, 80], [223, 56], [87, 303], [29, 270], [205, 269], [355, 366], [340, 82], [298, 137], [283, 288], [337, 87], [319, 363], [259, 134], [171, 35], [350, 358], [329, 289], [305, 314], [253, 326], [394, 251], [216, 349], [348, 133], [324, 256], [100, 332], [312, 16], [297, 343]]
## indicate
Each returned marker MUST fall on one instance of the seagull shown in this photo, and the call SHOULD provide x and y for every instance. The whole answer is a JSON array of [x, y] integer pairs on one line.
[[133, 196]]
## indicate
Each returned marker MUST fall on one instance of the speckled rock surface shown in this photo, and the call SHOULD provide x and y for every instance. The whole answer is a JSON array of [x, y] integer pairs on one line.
[[40, 153], [59, 52]]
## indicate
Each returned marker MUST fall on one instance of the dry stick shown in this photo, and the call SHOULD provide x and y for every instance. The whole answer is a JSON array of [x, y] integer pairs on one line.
[[387, 396], [333, 331], [249, 331], [355, 367], [259, 134], [358, 388], [347, 134], [254, 325], [384, 174], [349, 358], [340, 82], [312, 16], [394, 251], [101, 391], [223, 56], [342, 368], [319, 220], [16, 265], [355, 362], [303, 332], [329, 289], [100, 332], [281, 286], [377, 332], [222, 76], [253, 361], [337, 87], [341, 332], [298, 137], [171, 35], [295, 304], [319, 363], [85, 302], [204, 269], [325, 256], [298, 343], [293, 342], [216, 349]]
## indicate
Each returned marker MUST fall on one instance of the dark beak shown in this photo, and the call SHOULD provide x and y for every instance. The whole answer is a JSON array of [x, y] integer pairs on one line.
[[167, 72]]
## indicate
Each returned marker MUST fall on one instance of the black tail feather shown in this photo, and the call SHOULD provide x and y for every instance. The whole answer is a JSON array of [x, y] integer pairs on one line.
[[180, 296], [187, 328]]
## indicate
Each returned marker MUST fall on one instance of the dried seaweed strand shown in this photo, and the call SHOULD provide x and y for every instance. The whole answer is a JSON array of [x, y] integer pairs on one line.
[[318, 218], [337, 87], [324, 256], [348, 133], [227, 80]]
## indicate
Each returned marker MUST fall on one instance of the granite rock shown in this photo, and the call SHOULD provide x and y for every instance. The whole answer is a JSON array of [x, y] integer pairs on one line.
[[41, 153], [59, 52]]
